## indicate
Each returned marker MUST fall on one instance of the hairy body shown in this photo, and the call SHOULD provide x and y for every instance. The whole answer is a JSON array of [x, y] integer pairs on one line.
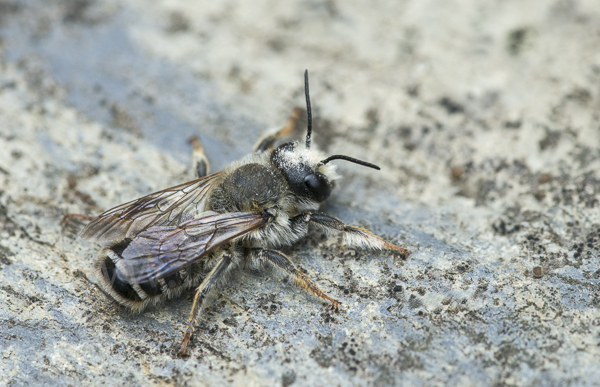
[[164, 243]]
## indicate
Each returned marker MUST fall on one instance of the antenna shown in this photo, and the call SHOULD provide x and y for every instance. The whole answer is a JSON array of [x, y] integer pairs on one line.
[[309, 129], [348, 158]]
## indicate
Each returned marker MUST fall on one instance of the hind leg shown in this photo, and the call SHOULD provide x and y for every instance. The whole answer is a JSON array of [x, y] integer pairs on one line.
[[72, 224]]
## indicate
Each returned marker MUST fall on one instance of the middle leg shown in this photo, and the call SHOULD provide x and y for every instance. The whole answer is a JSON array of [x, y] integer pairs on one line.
[[212, 279], [199, 159], [283, 265]]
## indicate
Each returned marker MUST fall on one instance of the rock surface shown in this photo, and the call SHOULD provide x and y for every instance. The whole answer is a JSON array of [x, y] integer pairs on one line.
[[483, 116]]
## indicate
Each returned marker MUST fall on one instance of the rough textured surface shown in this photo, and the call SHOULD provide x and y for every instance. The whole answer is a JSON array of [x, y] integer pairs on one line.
[[482, 114]]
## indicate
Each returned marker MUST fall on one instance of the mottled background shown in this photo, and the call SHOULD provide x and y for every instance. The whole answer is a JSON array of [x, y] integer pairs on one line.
[[484, 116]]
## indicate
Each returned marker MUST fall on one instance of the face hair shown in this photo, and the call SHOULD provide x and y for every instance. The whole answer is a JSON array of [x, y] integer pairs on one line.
[[348, 158], [309, 129]]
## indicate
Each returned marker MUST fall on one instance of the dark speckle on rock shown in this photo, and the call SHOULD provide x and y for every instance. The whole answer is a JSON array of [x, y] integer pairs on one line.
[[517, 40], [288, 378], [451, 106], [230, 321]]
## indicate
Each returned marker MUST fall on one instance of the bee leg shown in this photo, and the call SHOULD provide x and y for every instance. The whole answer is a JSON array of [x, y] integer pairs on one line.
[[283, 265], [268, 140], [353, 236], [212, 279], [199, 159], [72, 224]]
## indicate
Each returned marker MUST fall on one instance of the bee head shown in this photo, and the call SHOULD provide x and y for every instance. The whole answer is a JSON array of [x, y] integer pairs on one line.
[[306, 173], [302, 172]]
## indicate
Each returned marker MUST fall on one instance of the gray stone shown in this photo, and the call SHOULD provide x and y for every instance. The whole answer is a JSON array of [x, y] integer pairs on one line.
[[482, 115]]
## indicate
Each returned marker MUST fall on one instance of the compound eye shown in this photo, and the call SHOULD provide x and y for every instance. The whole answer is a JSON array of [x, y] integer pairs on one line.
[[318, 185]]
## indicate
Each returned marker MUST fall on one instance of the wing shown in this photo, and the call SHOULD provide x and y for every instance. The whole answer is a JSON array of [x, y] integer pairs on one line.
[[169, 207], [161, 250]]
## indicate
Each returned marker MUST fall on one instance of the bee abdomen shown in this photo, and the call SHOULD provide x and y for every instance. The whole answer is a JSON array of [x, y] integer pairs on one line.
[[118, 288], [137, 296]]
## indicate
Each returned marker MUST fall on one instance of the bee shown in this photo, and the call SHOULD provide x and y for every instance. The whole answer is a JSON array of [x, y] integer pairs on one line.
[[162, 244]]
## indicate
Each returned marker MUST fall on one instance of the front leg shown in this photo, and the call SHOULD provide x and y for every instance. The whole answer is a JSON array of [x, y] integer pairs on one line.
[[268, 140], [353, 236], [283, 265]]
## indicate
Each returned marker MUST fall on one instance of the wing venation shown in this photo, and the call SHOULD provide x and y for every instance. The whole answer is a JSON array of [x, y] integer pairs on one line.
[[161, 250], [170, 207]]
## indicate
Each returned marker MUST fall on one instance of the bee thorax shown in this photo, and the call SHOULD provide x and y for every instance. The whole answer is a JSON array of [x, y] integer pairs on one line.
[[250, 187]]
